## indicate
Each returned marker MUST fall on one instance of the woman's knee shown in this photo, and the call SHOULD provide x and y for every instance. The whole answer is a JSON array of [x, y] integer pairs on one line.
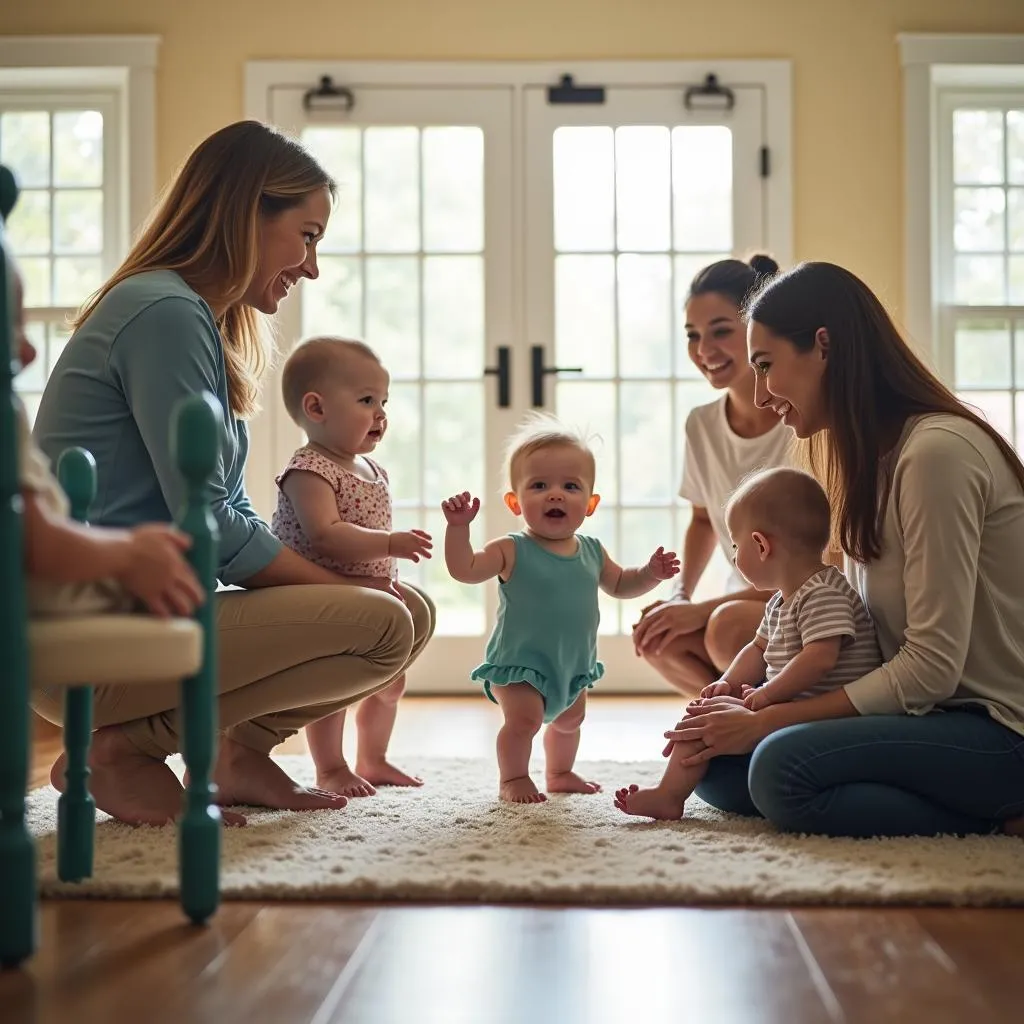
[[731, 626]]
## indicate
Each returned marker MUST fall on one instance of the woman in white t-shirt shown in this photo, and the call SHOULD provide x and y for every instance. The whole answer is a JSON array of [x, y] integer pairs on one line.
[[692, 642]]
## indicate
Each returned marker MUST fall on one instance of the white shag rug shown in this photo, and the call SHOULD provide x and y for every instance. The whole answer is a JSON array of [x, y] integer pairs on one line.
[[453, 841]]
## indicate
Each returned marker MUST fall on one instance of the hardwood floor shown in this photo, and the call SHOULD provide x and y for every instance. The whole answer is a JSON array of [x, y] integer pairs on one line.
[[406, 964]]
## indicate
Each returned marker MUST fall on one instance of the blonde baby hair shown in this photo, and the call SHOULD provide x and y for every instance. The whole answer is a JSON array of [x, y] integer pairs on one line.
[[541, 430], [785, 503], [314, 361]]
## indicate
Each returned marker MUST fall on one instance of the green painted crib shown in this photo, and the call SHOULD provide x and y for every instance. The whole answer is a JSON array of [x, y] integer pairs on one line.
[[79, 653]]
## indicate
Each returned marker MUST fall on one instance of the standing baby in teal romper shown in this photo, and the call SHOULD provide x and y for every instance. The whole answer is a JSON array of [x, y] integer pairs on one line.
[[542, 656]]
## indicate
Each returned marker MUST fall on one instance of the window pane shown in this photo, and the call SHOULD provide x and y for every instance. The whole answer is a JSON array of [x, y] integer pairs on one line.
[[341, 153], [393, 312], [77, 148], [78, 221], [28, 227], [585, 313], [689, 394], [454, 438], [995, 406], [978, 147], [607, 524], [75, 278], [392, 186], [334, 303], [1018, 348], [1016, 275], [645, 431], [584, 189], [453, 189], [642, 187], [1015, 145], [591, 406], [702, 188], [645, 316], [979, 219], [979, 280], [453, 316], [983, 354], [400, 452], [25, 146], [35, 273], [1015, 206]]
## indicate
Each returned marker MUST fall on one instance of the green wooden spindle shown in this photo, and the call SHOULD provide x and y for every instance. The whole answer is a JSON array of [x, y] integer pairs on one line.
[[18, 922], [76, 809], [197, 423]]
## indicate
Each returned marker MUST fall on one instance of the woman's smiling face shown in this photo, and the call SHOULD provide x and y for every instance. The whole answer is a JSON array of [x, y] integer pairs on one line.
[[789, 381]]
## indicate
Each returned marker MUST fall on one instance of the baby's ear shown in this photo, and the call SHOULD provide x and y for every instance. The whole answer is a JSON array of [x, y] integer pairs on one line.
[[512, 503], [764, 547], [595, 500], [312, 406]]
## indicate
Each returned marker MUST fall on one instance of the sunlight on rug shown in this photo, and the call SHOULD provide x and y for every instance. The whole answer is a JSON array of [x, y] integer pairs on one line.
[[453, 840]]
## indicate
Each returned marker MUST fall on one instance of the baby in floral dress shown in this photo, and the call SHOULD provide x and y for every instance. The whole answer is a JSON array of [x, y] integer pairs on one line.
[[334, 508]]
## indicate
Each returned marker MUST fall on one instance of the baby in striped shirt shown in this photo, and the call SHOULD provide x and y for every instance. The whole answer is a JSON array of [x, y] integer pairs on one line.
[[816, 634]]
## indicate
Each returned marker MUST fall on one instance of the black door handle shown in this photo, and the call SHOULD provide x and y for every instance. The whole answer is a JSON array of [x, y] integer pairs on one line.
[[503, 372], [538, 371]]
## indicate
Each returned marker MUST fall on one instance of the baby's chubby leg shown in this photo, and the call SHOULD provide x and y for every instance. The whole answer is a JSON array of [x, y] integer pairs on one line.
[[523, 708], [666, 800], [324, 739], [561, 741], [375, 721]]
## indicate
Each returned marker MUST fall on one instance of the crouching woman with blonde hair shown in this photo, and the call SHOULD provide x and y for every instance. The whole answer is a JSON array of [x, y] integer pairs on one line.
[[238, 227]]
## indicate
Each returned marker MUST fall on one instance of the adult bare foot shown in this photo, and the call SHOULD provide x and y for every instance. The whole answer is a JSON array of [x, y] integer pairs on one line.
[[384, 773], [126, 783], [344, 781], [520, 791], [570, 782], [649, 803], [245, 776]]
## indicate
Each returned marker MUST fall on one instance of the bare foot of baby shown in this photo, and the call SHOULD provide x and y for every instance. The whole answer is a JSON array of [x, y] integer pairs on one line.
[[344, 781], [649, 803], [520, 791], [384, 773], [570, 782]]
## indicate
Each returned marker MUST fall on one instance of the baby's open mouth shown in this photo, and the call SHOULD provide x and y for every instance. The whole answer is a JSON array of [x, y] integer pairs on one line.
[[555, 513]]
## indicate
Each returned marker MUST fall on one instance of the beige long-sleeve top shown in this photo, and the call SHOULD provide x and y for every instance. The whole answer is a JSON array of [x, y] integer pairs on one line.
[[947, 592]]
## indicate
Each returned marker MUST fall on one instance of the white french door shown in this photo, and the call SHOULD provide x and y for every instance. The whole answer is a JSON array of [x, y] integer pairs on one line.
[[480, 227], [625, 201]]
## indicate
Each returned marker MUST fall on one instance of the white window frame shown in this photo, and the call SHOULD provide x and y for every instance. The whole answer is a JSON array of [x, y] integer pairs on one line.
[[937, 69]]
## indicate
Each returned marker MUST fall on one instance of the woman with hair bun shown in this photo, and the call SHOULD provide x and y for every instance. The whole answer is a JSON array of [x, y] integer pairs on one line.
[[690, 642]]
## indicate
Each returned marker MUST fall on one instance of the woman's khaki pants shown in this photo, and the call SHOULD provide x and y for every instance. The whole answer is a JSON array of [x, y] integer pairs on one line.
[[287, 656]]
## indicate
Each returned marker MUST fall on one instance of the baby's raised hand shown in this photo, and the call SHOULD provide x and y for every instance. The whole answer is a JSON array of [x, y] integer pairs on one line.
[[460, 509], [414, 544], [663, 564]]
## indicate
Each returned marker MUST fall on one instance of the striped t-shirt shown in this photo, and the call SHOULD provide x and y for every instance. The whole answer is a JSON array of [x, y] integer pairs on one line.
[[825, 606]]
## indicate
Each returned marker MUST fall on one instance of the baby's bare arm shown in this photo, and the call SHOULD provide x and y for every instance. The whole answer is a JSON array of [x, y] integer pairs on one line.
[[638, 580], [804, 672], [469, 566]]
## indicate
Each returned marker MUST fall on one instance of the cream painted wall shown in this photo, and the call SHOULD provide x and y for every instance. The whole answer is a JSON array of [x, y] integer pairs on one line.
[[847, 97]]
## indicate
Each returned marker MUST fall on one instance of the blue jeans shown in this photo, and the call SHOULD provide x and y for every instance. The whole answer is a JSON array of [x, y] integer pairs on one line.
[[883, 775]]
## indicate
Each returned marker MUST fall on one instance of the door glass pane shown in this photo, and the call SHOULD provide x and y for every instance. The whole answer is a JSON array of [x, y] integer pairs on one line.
[[585, 313], [1015, 146], [645, 427], [645, 316], [642, 189], [409, 279], [584, 188], [702, 188]]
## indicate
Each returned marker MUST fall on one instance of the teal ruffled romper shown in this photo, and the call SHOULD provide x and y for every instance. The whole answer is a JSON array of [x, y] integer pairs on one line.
[[546, 632]]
